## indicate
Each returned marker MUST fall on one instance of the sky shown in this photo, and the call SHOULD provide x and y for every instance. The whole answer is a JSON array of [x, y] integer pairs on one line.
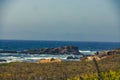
[[66, 20]]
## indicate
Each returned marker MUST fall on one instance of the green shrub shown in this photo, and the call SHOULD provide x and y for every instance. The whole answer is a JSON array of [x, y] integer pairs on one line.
[[111, 75], [78, 70]]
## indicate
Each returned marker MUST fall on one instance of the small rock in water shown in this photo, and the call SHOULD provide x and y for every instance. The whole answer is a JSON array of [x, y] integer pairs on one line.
[[3, 60], [71, 57]]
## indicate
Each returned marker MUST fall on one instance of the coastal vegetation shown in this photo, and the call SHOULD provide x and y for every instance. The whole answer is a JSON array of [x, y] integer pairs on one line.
[[72, 70]]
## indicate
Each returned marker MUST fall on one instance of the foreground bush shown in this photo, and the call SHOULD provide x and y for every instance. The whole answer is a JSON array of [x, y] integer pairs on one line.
[[111, 75], [81, 70]]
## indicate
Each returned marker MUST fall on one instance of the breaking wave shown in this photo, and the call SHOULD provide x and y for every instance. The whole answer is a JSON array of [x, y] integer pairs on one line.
[[87, 52], [12, 57], [84, 51]]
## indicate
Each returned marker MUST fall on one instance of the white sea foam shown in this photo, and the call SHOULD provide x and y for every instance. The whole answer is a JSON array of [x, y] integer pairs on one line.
[[87, 52], [84, 51], [12, 57], [1, 49]]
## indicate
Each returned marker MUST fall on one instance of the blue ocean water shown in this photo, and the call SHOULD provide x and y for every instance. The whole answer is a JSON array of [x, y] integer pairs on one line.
[[29, 44], [84, 47]]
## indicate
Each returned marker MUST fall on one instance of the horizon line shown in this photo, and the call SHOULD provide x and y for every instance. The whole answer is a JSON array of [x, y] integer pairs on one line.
[[59, 40]]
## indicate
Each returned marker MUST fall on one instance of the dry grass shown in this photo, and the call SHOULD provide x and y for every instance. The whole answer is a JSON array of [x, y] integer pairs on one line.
[[56, 71]]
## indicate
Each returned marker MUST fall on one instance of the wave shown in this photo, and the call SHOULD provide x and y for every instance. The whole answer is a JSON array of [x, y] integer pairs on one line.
[[88, 51], [1, 49], [31, 57]]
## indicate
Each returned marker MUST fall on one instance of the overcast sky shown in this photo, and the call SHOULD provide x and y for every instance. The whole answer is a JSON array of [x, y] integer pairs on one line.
[[68, 20]]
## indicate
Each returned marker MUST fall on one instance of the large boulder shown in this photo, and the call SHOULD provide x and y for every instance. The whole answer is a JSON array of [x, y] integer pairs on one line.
[[51, 60], [58, 50]]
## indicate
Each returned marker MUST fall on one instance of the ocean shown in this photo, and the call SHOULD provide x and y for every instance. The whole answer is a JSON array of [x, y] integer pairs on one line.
[[87, 48]]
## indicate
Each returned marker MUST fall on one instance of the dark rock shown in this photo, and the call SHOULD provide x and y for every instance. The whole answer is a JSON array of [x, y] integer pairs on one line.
[[2, 60], [102, 53], [71, 57], [59, 50], [8, 51]]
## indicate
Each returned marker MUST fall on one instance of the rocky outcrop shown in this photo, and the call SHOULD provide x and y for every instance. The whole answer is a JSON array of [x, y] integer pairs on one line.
[[101, 55], [108, 52], [51, 60], [59, 50]]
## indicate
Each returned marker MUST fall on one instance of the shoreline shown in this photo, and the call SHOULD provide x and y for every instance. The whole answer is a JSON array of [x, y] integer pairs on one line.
[[34, 58]]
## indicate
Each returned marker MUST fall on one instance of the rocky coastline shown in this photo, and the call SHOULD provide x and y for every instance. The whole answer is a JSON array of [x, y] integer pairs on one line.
[[58, 50], [98, 56], [101, 55], [65, 50]]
